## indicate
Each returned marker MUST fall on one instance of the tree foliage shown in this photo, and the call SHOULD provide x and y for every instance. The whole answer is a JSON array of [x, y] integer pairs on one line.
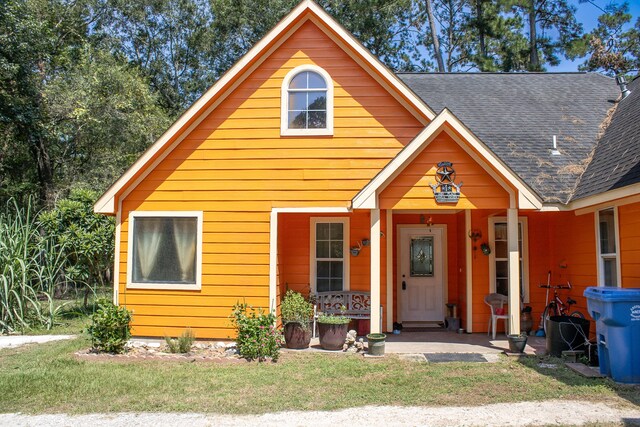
[[613, 47]]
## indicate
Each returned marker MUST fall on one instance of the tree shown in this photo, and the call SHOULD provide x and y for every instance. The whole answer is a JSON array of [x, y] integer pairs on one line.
[[613, 46], [37, 41], [172, 41], [67, 104], [542, 18], [103, 115], [434, 35]]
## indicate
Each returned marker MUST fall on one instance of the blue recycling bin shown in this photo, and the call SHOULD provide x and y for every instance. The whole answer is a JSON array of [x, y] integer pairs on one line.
[[617, 315]]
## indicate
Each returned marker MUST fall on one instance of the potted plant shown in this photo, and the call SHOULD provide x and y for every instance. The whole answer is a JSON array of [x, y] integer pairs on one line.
[[517, 343], [296, 313], [332, 330]]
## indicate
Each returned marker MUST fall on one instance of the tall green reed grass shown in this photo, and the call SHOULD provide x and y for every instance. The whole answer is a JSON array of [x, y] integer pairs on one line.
[[31, 266]]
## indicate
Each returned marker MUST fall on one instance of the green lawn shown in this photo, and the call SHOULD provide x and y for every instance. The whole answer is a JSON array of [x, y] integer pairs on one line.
[[47, 378]]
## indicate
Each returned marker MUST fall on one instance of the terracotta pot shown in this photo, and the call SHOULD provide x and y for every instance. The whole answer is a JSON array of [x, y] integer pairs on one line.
[[332, 336], [296, 336]]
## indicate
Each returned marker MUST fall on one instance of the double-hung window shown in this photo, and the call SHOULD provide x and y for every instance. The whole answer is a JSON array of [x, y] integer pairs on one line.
[[165, 250], [499, 257], [329, 254], [608, 260], [307, 102]]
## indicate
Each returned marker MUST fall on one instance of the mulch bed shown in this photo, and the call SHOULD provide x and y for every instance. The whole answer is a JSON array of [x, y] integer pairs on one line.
[[199, 353]]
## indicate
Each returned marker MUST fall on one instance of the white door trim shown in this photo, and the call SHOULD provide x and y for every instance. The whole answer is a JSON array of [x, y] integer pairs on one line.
[[445, 263]]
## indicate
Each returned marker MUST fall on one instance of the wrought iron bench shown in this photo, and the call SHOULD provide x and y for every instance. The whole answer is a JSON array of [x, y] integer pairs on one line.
[[353, 304]]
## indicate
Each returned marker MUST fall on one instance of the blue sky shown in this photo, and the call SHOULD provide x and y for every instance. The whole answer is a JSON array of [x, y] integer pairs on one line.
[[588, 14]]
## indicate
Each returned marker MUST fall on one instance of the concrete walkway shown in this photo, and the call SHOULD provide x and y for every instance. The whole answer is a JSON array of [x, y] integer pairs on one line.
[[18, 340], [441, 341]]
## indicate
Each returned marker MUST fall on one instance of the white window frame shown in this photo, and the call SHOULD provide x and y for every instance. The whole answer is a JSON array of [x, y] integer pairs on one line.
[[346, 254], [524, 223], [168, 286], [600, 256], [284, 103]]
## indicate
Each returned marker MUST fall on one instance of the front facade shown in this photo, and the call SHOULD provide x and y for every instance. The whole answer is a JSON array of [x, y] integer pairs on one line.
[[310, 166]]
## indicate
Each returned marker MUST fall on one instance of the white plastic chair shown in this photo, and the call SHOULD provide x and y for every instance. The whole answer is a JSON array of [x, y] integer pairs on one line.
[[495, 301]]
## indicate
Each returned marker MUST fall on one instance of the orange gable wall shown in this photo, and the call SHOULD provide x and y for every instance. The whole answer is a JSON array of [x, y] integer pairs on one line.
[[410, 189], [235, 167]]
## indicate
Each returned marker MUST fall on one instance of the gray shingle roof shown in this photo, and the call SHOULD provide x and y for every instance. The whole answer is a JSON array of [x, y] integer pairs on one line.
[[616, 159], [517, 114]]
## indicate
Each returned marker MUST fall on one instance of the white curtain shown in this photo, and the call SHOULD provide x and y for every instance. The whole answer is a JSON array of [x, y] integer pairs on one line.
[[148, 237], [184, 232]]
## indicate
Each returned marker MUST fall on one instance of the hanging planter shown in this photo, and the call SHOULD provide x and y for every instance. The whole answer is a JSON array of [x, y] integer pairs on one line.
[[486, 250]]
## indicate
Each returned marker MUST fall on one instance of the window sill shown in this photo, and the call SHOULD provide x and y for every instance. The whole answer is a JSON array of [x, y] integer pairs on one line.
[[306, 132], [165, 286]]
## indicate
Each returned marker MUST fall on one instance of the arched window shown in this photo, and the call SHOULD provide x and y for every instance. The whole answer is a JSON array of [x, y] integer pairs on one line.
[[307, 102]]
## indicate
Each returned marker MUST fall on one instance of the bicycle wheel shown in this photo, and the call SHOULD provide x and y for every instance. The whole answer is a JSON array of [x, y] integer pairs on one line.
[[577, 314], [549, 311]]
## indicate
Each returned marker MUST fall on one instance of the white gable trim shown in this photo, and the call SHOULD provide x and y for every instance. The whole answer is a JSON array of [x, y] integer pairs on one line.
[[244, 67], [367, 198]]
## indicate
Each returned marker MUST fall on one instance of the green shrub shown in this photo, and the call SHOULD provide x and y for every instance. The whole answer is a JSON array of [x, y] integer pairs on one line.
[[182, 344], [296, 309], [257, 336], [111, 327], [333, 319], [87, 239]]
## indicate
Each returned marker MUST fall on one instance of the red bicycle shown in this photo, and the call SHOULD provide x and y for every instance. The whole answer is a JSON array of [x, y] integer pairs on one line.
[[556, 306]]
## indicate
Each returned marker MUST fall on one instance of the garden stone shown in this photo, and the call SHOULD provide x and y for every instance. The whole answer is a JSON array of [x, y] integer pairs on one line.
[[231, 345], [220, 344], [153, 345]]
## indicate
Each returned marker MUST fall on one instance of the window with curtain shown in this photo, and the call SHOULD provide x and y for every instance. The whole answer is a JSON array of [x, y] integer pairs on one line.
[[608, 250], [329, 255], [165, 250], [500, 256]]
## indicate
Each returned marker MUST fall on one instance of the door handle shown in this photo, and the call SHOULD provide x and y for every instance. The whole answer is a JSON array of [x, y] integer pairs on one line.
[[404, 285]]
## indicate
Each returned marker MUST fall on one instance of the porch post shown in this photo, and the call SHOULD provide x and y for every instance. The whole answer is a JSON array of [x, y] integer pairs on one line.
[[389, 254], [375, 271], [468, 270], [514, 271]]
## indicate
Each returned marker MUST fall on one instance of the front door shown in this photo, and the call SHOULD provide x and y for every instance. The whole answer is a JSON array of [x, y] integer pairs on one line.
[[421, 272]]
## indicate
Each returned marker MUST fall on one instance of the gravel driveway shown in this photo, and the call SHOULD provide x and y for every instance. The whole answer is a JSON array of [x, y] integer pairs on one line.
[[502, 414]]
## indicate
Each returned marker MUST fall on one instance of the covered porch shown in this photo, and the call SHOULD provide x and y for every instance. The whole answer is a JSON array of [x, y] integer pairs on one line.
[[444, 223]]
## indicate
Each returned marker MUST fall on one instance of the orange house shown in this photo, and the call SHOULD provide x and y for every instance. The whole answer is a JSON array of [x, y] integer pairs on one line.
[[448, 187]]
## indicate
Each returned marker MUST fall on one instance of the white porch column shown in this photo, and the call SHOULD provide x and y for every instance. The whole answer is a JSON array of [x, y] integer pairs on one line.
[[468, 270], [389, 251], [514, 270], [375, 271]]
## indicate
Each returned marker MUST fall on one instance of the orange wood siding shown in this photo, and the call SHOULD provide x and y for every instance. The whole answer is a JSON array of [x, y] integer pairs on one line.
[[235, 168], [410, 190], [629, 228]]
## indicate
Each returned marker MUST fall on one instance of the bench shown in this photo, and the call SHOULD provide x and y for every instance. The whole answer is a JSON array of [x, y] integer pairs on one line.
[[353, 304]]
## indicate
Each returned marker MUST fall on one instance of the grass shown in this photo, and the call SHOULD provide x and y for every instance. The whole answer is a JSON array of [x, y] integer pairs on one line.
[[46, 378]]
